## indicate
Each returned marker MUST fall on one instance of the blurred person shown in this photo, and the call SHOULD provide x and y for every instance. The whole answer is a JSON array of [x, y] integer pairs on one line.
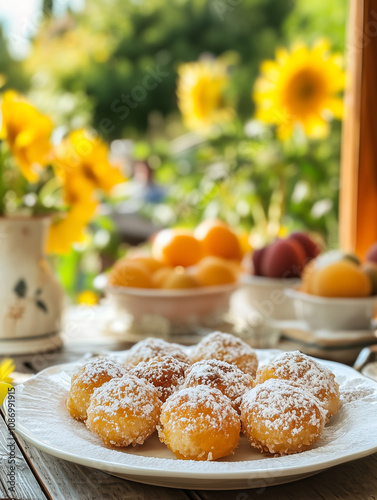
[[132, 215]]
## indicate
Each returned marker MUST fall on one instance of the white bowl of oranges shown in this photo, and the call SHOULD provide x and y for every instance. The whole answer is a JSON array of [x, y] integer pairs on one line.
[[337, 293], [186, 281]]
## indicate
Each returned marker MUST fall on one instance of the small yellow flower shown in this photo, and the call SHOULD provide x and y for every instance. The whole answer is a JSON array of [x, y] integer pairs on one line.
[[69, 228], [300, 87], [81, 160], [201, 93], [27, 132], [88, 298], [6, 368]]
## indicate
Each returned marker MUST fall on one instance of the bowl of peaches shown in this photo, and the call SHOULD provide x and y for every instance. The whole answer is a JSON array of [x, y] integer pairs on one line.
[[269, 270], [185, 281], [337, 292]]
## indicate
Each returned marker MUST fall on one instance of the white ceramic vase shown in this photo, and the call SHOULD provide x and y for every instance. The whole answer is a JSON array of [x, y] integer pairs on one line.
[[31, 299]]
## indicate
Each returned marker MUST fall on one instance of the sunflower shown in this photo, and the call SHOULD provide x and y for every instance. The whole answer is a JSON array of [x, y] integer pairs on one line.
[[27, 133], [81, 160], [68, 228], [201, 93], [301, 87], [6, 368]]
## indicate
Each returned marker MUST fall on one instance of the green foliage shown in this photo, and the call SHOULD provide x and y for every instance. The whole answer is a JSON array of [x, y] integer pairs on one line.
[[123, 41], [246, 177], [47, 7], [311, 20], [78, 269], [10, 69]]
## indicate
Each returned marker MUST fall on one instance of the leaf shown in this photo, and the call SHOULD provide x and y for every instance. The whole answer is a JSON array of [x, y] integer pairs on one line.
[[41, 305], [21, 288]]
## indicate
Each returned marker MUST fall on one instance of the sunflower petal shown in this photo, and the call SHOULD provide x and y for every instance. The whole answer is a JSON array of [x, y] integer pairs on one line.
[[27, 132], [336, 106], [4, 389], [6, 368]]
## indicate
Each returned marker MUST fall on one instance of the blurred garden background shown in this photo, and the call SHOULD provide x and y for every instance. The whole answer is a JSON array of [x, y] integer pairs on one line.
[[185, 93]]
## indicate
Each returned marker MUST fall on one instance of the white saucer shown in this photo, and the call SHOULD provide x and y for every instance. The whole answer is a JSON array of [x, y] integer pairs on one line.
[[342, 345], [27, 345]]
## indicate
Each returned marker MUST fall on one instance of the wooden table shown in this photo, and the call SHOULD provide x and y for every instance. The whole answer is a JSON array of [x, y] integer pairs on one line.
[[39, 476]]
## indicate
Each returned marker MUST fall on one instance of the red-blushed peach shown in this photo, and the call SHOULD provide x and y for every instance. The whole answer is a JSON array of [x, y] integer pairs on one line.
[[257, 258], [284, 259], [372, 253], [310, 247], [341, 279]]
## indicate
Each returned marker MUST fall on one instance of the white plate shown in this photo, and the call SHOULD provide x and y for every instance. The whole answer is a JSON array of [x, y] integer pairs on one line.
[[43, 421]]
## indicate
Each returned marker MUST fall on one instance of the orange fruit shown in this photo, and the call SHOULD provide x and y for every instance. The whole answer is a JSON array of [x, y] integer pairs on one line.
[[215, 271], [129, 273], [176, 247], [341, 279], [180, 279], [218, 239], [159, 276], [244, 241], [149, 262]]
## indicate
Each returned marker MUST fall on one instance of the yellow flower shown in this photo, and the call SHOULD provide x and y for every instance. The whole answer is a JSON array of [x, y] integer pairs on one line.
[[88, 298], [81, 160], [300, 87], [201, 93], [69, 228], [6, 368], [27, 132]]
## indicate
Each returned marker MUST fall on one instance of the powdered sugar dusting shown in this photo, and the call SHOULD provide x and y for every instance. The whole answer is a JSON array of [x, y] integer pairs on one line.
[[226, 347], [166, 373], [201, 401], [128, 392], [281, 404], [97, 368], [355, 389], [304, 370], [152, 347], [229, 379]]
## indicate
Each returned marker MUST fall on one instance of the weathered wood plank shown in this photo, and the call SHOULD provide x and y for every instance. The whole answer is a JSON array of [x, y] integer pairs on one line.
[[25, 486], [355, 480], [74, 482]]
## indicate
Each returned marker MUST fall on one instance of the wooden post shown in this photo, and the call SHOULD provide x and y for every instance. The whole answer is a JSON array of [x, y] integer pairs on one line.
[[358, 180]]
